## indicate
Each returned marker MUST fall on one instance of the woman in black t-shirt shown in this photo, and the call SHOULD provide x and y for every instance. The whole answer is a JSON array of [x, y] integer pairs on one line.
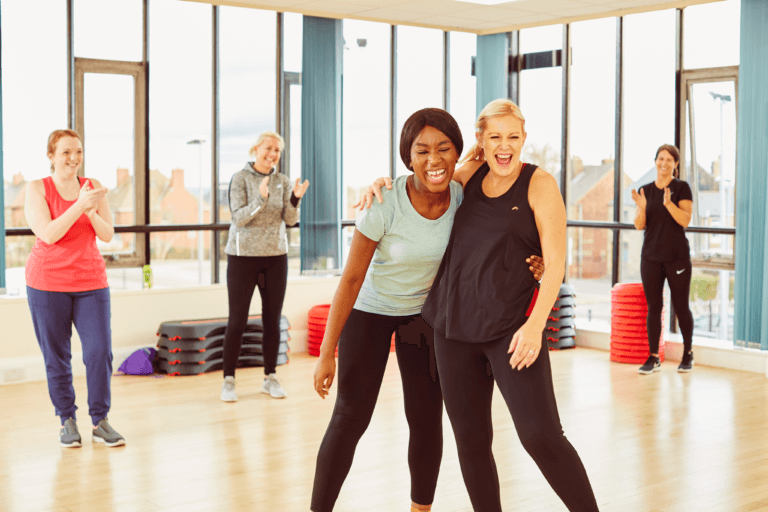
[[664, 210]]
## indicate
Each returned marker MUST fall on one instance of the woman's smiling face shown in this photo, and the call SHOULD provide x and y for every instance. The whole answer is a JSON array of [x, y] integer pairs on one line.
[[665, 164], [267, 155], [68, 156], [502, 142], [433, 159]]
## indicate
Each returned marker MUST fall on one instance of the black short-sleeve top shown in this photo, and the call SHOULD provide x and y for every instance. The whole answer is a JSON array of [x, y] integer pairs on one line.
[[483, 287], [664, 238]]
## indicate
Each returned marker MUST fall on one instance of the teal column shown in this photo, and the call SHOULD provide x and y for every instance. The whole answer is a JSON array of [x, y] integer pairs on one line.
[[2, 180], [321, 144], [491, 68], [751, 288]]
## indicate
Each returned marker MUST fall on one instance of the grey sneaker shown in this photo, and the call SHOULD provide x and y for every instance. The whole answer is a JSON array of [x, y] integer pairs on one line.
[[104, 433], [272, 387], [686, 365], [651, 365], [69, 437], [228, 393]]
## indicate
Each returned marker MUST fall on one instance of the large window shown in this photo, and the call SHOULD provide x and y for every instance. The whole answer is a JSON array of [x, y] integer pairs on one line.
[[711, 34], [541, 99], [247, 84], [32, 109], [181, 119], [462, 103], [592, 120], [419, 76], [648, 105], [293, 40], [108, 30], [365, 109], [589, 263], [179, 145]]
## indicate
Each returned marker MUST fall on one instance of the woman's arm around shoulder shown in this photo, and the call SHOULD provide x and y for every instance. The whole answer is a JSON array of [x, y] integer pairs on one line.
[[360, 255], [466, 171]]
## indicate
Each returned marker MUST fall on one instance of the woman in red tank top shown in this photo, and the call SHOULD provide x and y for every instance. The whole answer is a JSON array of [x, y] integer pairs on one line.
[[67, 284]]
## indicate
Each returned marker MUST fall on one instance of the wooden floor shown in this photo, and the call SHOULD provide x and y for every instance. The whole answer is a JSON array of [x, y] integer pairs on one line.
[[666, 442]]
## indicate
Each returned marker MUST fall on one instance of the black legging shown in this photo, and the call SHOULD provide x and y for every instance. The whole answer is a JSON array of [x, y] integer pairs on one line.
[[244, 273], [363, 352], [678, 274], [467, 372]]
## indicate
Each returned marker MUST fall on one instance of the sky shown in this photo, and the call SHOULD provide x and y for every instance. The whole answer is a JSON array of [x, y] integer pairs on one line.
[[180, 96]]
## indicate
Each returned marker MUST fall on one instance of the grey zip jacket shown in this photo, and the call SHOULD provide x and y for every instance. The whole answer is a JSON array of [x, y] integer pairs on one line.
[[258, 224]]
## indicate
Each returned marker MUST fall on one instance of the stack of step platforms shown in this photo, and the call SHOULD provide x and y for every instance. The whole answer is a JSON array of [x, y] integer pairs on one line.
[[318, 316], [629, 331], [193, 347], [561, 324]]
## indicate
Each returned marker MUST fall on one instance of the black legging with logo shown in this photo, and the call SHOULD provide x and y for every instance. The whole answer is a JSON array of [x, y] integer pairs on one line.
[[678, 275], [364, 347], [244, 274]]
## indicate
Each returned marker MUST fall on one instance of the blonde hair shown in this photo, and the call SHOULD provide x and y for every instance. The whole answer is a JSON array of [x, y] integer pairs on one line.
[[497, 108], [55, 137], [262, 137]]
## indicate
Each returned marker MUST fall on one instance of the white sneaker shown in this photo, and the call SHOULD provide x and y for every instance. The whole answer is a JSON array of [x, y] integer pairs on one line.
[[228, 393], [272, 387]]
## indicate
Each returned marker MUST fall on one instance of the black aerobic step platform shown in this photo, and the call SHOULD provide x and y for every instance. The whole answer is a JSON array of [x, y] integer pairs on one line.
[[554, 332], [562, 312], [199, 329], [559, 323], [565, 342], [565, 301], [210, 366], [195, 345], [214, 353]]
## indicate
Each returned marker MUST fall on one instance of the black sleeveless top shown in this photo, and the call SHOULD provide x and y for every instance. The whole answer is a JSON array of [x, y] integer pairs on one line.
[[483, 287]]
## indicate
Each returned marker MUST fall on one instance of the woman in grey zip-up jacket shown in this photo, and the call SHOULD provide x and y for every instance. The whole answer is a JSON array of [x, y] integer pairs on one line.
[[262, 202]]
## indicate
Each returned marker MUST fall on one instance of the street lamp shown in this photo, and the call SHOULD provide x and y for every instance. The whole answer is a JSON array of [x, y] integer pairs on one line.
[[199, 143], [724, 281]]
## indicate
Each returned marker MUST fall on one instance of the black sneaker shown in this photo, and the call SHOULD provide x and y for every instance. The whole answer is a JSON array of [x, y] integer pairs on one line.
[[69, 437], [686, 365], [104, 433], [651, 365]]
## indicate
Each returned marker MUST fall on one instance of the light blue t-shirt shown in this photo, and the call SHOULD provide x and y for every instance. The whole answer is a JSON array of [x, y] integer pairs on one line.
[[408, 253]]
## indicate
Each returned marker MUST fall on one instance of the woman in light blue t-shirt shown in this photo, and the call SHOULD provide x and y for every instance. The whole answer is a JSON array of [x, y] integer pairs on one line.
[[395, 253]]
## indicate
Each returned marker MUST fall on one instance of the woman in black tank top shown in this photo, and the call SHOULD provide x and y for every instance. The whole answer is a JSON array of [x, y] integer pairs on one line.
[[483, 306]]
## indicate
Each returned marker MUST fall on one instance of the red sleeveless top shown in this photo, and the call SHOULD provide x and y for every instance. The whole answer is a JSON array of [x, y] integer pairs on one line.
[[73, 264]]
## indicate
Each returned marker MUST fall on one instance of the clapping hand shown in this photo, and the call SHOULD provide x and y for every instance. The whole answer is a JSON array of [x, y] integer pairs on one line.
[[667, 196], [90, 197], [640, 199], [264, 187], [300, 188]]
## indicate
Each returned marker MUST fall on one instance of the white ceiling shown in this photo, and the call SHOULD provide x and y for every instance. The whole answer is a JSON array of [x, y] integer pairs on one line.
[[463, 16]]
